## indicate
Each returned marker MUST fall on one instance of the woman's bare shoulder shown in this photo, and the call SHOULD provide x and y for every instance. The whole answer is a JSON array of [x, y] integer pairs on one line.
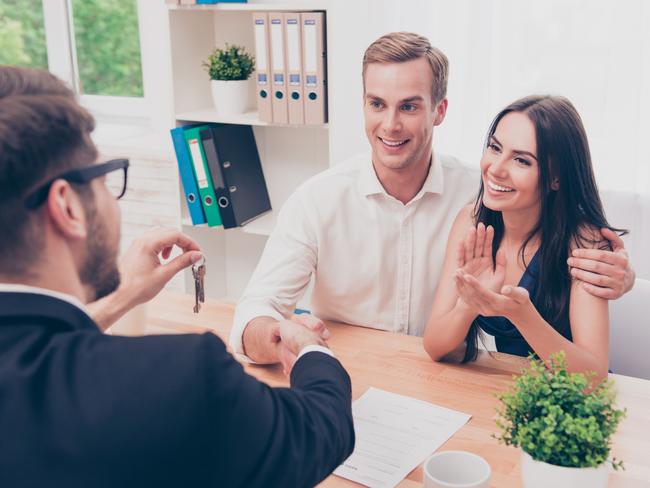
[[466, 215]]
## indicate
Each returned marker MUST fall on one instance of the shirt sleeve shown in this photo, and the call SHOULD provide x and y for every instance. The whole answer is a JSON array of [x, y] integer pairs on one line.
[[284, 270]]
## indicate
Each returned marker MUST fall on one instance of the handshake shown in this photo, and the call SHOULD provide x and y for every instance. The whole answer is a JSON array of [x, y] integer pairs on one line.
[[292, 336]]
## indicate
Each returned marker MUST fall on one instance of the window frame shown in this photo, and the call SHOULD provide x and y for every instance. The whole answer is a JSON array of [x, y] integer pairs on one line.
[[62, 62]]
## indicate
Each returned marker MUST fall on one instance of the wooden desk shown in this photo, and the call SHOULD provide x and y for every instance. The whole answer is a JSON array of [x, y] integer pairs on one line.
[[399, 364]]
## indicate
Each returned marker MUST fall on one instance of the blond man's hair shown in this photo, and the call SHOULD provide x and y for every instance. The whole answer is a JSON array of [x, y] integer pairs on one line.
[[398, 47]]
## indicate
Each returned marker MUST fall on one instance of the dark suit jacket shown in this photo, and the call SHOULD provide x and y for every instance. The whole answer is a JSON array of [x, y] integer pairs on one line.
[[82, 409]]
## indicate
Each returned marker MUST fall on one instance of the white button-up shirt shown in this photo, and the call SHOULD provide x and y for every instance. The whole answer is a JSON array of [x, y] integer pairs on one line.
[[375, 261]]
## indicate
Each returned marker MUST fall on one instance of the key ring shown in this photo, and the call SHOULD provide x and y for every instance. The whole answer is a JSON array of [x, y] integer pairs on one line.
[[200, 263]]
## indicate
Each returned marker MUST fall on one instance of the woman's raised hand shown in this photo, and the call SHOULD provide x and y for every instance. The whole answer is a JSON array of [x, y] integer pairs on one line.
[[480, 282], [474, 258]]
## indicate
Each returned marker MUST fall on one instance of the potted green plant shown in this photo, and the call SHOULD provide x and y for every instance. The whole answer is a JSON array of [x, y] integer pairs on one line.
[[229, 70], [563, 423]]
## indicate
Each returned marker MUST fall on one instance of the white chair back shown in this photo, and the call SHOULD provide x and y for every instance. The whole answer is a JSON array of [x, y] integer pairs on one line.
[[629, 332], [631, 211]]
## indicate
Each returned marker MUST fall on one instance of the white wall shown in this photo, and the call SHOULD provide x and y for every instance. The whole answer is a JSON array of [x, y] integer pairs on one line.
[[595, 52]]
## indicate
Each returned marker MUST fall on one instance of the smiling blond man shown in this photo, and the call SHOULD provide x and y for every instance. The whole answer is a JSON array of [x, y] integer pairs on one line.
[[371, 231]]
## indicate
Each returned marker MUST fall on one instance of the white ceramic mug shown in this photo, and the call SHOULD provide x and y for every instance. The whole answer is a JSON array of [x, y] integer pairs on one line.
[[456, 469]]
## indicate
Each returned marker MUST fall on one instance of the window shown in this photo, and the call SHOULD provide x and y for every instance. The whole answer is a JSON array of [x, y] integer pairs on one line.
[[22, 33], [107, 47], [93, 45]]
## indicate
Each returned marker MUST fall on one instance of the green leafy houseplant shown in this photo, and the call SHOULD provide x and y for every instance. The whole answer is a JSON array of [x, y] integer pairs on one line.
[[558, 417], [231, 63]]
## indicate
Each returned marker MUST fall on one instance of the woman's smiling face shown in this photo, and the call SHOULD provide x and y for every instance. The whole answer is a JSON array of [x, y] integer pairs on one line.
[[509, 166]]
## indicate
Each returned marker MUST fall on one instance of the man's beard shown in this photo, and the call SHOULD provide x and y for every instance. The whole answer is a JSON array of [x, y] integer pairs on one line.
[[99, 271]]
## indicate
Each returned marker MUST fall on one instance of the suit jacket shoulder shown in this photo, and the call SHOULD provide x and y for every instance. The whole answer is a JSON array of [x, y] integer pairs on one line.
[[86, 409]]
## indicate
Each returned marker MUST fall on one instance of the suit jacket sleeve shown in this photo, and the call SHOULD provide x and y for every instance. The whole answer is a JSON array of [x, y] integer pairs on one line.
[[292, 437]]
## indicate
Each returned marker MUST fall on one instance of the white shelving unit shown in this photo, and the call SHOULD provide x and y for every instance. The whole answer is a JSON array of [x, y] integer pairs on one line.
[[248, 118], [290, 154], [251, 7]]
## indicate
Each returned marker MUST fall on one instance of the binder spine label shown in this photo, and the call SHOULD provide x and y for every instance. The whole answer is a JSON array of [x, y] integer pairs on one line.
[[197, 161], [260, 45], [293, 51], [311, 62], [277, 56]]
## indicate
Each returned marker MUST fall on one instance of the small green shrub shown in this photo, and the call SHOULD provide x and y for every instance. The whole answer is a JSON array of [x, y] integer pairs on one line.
[[231, 63], [558, 417]]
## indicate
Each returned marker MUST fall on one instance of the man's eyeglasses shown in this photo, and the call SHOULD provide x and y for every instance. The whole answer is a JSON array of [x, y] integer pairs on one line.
[[116, 183]]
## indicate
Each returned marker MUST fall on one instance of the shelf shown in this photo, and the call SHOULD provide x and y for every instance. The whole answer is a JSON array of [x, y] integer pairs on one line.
[[260, 226], [252, 7], [248, 118], [187, 222]]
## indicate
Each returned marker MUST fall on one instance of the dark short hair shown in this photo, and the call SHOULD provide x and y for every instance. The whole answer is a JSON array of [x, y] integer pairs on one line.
[[43, 132]]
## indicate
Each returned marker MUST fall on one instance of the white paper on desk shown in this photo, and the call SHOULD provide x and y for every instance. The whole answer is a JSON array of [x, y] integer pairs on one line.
[[394, 435]]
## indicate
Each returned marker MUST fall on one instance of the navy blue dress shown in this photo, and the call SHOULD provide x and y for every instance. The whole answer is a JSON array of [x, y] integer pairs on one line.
[[506, 335]]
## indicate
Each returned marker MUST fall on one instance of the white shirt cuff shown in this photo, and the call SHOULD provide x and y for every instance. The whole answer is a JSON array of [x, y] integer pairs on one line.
[[314, 348]]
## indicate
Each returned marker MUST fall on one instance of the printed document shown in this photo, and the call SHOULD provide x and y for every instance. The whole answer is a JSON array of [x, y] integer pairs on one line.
[[394, 435]]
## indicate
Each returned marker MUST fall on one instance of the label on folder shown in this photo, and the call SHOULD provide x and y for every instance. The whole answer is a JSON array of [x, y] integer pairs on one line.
[[201, 178]]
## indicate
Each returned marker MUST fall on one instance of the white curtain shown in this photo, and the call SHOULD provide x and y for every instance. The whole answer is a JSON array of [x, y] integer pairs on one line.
[[594, 52]]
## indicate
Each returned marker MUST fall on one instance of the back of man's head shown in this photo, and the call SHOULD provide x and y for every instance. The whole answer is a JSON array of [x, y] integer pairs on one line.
[[399, 47], [43, 132]]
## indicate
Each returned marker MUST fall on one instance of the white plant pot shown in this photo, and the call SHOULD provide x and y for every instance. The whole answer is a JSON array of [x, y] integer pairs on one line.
[[230, 97], [536, 474]]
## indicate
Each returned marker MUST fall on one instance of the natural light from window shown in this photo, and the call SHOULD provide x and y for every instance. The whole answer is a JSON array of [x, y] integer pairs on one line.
[[108, 47], [22, 33]]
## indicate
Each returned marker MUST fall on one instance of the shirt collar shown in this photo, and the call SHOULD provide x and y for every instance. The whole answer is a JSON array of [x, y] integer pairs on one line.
[[369, 183], [34, 290]]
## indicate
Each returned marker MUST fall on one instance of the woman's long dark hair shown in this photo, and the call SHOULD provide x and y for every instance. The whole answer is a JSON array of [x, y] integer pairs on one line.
[[566, 215]]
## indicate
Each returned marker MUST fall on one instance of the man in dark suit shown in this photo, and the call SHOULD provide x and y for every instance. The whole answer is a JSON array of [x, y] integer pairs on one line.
[[80, 408]]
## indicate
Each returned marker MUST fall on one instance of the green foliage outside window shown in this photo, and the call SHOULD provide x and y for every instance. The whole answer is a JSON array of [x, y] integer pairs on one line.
[[231, 63], [108, 47], [22, 33], [558, 417], [106, 36]]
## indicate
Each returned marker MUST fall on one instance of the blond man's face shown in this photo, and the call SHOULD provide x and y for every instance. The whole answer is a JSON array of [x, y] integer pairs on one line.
[[400, 114]]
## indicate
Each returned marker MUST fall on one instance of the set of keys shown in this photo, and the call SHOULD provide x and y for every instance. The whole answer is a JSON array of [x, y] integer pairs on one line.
[[198, 272]]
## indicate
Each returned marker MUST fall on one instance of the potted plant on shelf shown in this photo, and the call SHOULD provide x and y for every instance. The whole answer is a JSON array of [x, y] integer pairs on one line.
[[229, 70], [563, 423]]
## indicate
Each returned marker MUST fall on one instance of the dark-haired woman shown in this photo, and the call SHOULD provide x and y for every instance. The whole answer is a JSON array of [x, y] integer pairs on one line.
[[505, 271]]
